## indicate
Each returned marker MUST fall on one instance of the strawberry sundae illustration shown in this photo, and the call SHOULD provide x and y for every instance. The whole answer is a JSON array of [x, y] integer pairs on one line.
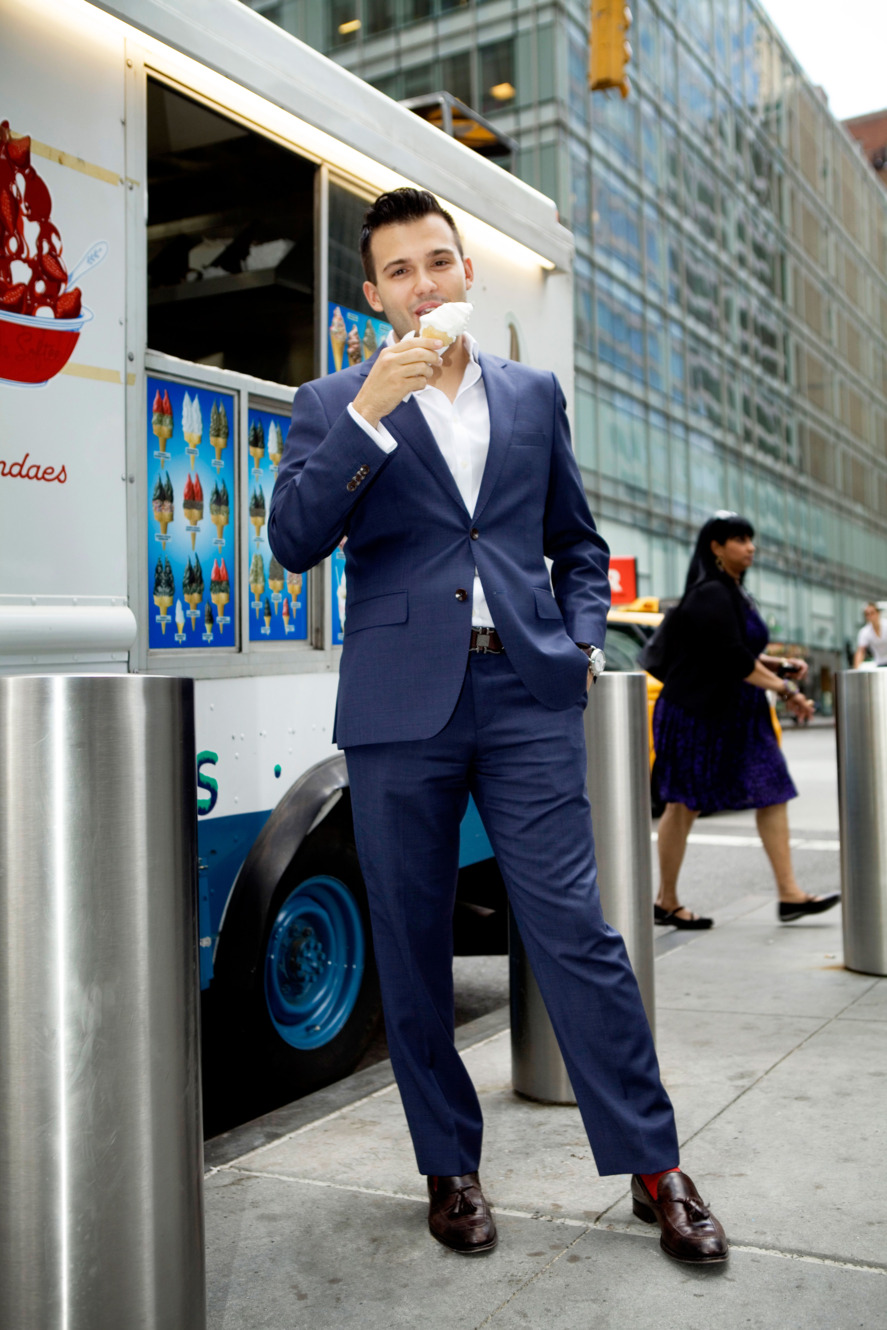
[[192, 505], [41, 311]]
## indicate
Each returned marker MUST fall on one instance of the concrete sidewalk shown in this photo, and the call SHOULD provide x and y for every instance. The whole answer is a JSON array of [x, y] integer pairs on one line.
[[776, 1059]]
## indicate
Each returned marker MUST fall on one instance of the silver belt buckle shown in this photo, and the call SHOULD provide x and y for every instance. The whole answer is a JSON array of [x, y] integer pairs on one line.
[[482, 642]]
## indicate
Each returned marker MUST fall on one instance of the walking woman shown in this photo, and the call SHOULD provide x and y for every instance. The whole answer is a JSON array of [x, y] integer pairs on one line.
[[716, 748]]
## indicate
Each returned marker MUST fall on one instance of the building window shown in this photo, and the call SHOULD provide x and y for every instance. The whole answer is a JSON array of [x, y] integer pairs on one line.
[[497, 75], [344, 22]]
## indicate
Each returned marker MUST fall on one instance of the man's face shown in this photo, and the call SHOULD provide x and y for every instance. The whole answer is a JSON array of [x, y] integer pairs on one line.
[[418, 267]]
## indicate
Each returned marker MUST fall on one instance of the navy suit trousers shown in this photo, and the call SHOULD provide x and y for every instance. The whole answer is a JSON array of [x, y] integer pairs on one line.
[[525, 765]]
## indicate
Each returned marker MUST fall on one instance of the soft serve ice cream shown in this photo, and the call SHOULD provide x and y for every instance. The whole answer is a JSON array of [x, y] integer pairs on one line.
[[447, 323]]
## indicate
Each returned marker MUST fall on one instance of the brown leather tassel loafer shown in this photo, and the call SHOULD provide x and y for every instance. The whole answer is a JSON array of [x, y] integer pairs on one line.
[[459, 1216], [689, 1230]]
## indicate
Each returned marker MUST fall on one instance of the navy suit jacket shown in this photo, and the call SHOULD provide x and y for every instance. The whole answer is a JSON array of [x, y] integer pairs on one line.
[[413, 547]]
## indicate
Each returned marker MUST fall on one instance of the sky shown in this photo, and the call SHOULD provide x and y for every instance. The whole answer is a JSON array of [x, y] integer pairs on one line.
[[841, 45]]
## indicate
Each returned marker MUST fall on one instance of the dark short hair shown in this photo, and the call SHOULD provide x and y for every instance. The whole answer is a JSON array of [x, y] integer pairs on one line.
[[722, 526], [399, 205]]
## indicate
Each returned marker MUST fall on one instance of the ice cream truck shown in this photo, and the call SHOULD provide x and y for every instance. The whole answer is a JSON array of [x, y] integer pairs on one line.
[[181, 189]]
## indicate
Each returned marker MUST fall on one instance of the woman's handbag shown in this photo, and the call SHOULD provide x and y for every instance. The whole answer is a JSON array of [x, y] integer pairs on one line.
[[657, 656]]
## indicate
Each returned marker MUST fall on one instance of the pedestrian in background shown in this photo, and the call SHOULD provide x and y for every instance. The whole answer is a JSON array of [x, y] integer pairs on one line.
[[716, 748], [871, 638]]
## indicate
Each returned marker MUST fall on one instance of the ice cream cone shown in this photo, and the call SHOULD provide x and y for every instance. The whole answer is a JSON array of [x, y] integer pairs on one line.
[[163, 603], [220, 599], [258, 522], [164, 523], [193, 600], [338, 337], [220, 522], [267, 617]]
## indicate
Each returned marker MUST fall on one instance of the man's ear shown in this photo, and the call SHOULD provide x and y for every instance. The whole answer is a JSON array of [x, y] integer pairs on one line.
[[469, 273], [372, 296]]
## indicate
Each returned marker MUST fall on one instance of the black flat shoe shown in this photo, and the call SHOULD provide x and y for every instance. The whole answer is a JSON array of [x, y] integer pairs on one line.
[[675, 920], [789, 910]]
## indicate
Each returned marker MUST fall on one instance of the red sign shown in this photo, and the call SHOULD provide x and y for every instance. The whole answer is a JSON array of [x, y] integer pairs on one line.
[[623, 580]]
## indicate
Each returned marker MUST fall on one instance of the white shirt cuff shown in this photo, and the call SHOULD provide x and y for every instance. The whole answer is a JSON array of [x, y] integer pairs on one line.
[[379, 435]]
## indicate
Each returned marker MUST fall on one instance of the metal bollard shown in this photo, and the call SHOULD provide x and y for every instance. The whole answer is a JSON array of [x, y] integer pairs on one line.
[[616, 737], [101, 1157], [861, 711]]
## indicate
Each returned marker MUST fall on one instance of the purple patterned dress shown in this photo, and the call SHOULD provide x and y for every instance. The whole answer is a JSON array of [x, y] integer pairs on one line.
[[729, 761]]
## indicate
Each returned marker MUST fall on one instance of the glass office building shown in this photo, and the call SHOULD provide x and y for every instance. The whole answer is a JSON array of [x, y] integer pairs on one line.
[[730, 275]]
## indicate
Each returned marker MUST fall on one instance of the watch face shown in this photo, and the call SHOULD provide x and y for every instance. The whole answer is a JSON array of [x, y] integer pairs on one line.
[[598, 661]]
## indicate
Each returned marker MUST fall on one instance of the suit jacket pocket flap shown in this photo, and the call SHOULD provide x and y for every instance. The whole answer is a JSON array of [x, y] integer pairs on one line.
[[376, 611], [519, 440], [546, 605]]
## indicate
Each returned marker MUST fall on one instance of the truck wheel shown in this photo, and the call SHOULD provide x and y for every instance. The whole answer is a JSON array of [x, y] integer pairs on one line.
[[317, 996]]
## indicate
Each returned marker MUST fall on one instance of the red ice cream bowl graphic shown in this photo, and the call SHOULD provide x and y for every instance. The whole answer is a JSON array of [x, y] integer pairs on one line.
[[35, 347]]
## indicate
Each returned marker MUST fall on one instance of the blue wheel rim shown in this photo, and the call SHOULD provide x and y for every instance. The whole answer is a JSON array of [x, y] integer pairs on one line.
[[314, 962]]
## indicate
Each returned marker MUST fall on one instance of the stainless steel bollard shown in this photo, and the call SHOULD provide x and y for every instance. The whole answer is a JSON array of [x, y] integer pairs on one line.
[[101, 1155], [617, 740], [861, 710]]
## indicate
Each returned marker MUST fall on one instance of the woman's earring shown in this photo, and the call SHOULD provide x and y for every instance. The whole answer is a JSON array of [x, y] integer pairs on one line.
[[719, 563]]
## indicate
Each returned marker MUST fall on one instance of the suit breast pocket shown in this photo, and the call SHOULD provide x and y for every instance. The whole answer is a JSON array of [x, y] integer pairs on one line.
[[376, 612], [529, 440]]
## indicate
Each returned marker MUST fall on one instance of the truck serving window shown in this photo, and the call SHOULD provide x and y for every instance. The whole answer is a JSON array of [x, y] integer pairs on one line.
[[230, 243]]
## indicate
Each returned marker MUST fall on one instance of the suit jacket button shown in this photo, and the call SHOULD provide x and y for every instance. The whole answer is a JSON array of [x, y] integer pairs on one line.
[[352, 485], [474, 533], [461, 594], [364, 471]]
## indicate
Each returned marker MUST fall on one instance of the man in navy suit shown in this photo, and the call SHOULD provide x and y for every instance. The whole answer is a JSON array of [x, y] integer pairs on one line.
[[465, 670]]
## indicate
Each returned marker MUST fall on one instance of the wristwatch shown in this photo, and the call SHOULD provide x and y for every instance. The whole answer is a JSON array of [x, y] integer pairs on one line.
[[789, 689], [597, 661]]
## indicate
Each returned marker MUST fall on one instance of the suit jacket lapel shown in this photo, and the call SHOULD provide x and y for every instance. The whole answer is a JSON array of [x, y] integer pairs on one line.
[[407, 423], [502, 402], [408, 426]]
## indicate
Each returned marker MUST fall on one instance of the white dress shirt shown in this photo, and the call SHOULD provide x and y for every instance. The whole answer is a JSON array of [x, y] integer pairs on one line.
[[461, 430]]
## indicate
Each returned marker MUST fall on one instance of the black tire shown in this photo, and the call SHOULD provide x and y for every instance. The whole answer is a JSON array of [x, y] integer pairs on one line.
[[286, 1072]]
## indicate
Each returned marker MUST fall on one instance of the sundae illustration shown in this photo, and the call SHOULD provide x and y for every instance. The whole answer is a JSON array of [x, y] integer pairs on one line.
[[192, 426], [192, 505], [353, 347], [257, 580], [192, 588], [257, 510], [163, 503], [164, 590], [208, 623], [220, 587], [161, 421], [369, 341], [341, 595], [275, 444], [294, 585], [41, 313], [180, 622], [338, 337], [218, 509], [218, 429], [267, 616], [276, 578], [257, 443], [287, 626]]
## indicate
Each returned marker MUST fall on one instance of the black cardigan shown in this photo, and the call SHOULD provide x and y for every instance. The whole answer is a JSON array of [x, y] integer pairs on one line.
[[708, 651]]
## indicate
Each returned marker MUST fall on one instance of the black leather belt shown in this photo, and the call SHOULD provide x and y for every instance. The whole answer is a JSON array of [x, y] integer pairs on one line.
[[486, 639]]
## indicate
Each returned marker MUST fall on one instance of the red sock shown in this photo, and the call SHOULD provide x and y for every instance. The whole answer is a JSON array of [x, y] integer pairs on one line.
[[651, 1180]]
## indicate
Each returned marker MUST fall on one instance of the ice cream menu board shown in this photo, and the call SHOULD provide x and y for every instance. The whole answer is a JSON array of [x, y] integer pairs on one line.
[[191, 540], [337, 579], [277, 599], [352, 337]]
